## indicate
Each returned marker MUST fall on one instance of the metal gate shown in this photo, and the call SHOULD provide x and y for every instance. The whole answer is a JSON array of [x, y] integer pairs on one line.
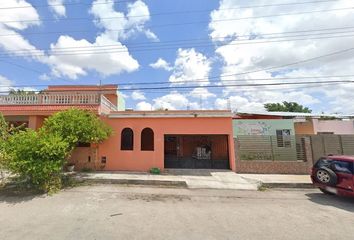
[[196, 151]]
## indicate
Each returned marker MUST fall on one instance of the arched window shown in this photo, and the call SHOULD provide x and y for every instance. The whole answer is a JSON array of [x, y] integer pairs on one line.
[[147, 139], [127, 139]]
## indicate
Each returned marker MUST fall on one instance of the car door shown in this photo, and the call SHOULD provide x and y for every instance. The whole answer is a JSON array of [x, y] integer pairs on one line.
[[344, 172]]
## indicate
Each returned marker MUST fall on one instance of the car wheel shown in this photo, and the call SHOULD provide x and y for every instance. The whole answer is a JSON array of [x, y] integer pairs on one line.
[[326, 192], [326, 176]]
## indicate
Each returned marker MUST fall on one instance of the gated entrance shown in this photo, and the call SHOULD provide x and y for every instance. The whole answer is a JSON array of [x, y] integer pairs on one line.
[[196, 151]]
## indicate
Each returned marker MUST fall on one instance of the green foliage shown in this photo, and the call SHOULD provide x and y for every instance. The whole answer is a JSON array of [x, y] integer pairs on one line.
[[20, 92], [286, 107], [75, 125], [37, 158], [155, 170], [4, 133]]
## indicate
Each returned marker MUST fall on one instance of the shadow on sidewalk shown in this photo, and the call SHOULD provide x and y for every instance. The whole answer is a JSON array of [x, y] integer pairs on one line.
[[14, 195], [344, 203], [192, 172]]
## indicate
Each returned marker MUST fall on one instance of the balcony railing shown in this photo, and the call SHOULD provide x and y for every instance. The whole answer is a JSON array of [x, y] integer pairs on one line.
[[107, 103], [56, 99]]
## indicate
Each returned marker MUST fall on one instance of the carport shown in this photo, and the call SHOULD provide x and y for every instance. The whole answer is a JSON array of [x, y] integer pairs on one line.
[[196, 151]]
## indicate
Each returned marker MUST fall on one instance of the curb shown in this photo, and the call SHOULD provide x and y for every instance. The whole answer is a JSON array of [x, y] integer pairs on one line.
[[165, 183], [288, 185]]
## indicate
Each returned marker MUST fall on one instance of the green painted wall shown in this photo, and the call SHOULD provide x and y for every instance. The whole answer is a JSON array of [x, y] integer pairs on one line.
[[261, 126], [258, 140]]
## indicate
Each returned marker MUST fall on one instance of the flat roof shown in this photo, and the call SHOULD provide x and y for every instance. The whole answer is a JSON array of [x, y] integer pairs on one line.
[[172, 114], [295, 114], [106, 87]]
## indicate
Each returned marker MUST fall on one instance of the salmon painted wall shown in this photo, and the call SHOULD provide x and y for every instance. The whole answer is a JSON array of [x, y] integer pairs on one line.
[[333, 126], [137, 160], [36, 122], [304, 128]]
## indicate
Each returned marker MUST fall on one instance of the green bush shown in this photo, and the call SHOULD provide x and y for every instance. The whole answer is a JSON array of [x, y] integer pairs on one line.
[[75, 126], [155, 170], [4, 133], [37, 158]]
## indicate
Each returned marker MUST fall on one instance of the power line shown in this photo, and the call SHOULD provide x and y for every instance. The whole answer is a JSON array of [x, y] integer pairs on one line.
[[66, 4], [20, 66], [186, 23], [30, 53], [122, 1], [204, 40], [291, 64], [279, 66], [116, 30], [207, 81], [217, 86], [243, 89], [235, 85], [170, 47]]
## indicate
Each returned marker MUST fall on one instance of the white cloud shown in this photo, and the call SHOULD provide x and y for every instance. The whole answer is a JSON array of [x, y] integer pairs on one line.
[[237, 103], [239, 58], [202, 93], [138, 95], [144, 106], [20, 10], [11, 24], [190, 67], [72, 66], [161, 63], [150, 35], [103, 60], [174, 101], [58, 7], [128, 24], [5, 84]]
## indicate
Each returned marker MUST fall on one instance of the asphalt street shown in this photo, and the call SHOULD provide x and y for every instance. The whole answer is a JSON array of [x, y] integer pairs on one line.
[[128, 212]]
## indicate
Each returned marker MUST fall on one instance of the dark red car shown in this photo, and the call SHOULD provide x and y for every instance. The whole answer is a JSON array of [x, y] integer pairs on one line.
[[334, 175]]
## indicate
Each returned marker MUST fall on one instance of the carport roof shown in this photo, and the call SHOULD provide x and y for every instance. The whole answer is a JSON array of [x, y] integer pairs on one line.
[[172, 114]]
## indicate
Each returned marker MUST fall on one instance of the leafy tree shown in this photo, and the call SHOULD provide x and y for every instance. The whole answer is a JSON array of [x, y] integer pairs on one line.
[[3, 137], [77, 126], [20, 92], [37, 158], [3, 128], [5, 133], [286, 107]]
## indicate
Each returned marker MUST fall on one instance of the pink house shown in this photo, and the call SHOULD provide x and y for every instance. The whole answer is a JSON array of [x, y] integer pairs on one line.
[[141, 140]]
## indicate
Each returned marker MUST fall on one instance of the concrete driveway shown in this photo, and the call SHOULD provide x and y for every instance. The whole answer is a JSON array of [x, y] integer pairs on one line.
[[118, 212]]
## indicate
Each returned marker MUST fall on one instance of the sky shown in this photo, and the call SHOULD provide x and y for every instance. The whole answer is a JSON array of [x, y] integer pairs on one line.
[[186, 51]]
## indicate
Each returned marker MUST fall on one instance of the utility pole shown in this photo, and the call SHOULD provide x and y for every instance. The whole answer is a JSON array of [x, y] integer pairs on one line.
[[228, 104]]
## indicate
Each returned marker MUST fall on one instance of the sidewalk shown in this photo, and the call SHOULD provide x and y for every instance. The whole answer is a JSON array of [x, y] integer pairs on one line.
[[198, 178], [280, 180]]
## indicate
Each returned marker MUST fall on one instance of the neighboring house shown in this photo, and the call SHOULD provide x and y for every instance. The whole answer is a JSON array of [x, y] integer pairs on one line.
[[286, 142], [308, 123], [267, 144], [141, 139], [263, 127], [335, 126], [32, 109]]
